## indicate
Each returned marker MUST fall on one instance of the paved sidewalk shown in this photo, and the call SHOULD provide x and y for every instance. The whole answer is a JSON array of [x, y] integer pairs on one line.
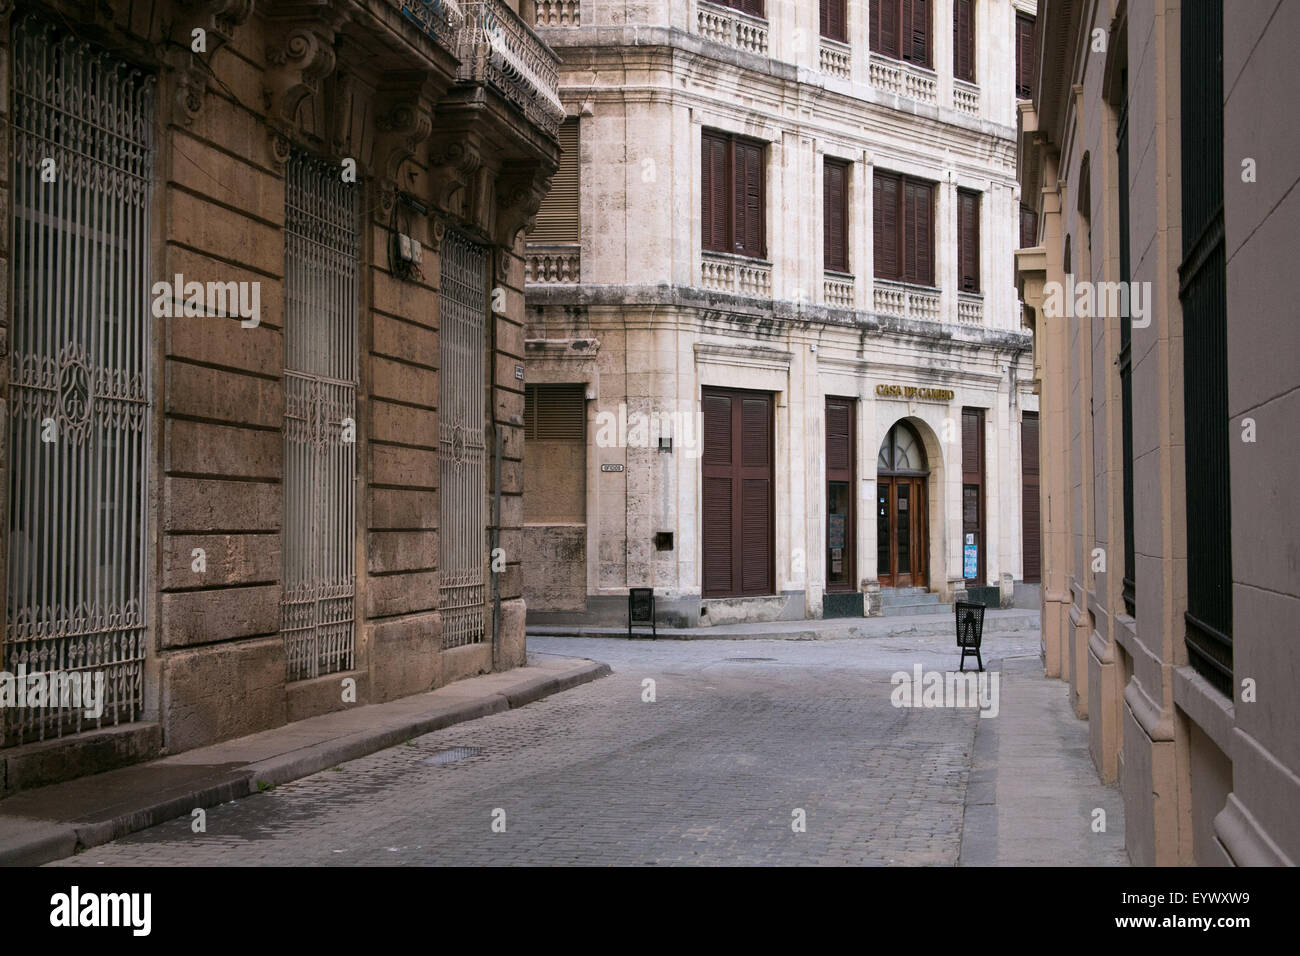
[[1034, 792], [37, 826], [1006, 621]]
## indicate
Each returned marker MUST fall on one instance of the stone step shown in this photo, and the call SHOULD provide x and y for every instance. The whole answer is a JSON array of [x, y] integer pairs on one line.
[[890, 599], [904, 610]]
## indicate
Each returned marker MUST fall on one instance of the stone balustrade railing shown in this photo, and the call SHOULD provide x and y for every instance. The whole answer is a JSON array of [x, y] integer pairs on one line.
[[750, 277], [835, 59], [552, 264], [903, 299], [970, 308], [559, 13], [732, 28], [895, 76], [838, 291], [965, 97]]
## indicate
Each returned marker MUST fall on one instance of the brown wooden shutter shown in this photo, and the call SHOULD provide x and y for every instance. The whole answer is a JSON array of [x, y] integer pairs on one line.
[[916, 31], [557, 216], [885, 29], [1024, 56], [968, 241], [1028, 227], [737, 504], [972, 476], [839, 440], [555, 412], [748, 197], [1032, 518], [972, 444], [885, 221], [716, 504], [918, 241], [716, 211], [835, 216], [834, 20], [756, 494], [963, 40]]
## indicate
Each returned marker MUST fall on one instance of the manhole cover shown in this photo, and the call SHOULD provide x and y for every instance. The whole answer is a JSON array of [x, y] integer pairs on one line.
[[452, 755], [751, 660]]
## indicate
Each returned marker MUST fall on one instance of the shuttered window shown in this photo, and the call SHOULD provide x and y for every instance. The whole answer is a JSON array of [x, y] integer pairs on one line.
[[834, 20], [557, 217], [963, 40], [555, 412], [1024, 56], [1028, 227], [903, 228], [968, 240], [737, 503], [841, 515], [1202, 292], [901, 29], [972, 479], [835, 216], [733, 195], [1032, 517]]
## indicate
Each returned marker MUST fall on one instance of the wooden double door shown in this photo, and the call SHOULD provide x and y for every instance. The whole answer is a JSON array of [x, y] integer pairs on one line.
[[902, 531]]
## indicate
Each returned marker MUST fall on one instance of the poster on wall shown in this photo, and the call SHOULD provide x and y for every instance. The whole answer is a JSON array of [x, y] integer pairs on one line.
[[970, 561]]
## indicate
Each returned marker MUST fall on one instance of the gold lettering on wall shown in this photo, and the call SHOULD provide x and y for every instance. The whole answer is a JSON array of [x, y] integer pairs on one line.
[[917, 392]]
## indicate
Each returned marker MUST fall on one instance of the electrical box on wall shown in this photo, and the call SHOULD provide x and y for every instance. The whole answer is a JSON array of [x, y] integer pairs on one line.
[[408, 249]]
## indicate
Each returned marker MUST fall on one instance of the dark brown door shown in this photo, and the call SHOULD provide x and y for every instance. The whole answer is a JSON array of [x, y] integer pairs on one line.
[[902, 532], [737, 505], [841, 519], [1031, 518]]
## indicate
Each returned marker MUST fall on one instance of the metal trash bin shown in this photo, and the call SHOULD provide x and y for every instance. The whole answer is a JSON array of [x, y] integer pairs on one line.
[[641, 610], [970, 631]]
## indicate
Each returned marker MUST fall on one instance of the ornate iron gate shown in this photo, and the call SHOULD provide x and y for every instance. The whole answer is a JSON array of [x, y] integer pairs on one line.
[[322, 245], [462, 531], [79, 388]]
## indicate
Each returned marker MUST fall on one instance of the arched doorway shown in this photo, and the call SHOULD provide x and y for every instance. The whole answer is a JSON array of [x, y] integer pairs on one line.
[[902, 510]]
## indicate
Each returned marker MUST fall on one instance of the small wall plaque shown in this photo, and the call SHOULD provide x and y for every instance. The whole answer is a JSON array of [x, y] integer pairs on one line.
[[611, 467], [519, 372]]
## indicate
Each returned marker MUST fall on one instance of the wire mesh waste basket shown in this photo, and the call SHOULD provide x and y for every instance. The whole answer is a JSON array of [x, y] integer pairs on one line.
[[641, 610], [970, 631]]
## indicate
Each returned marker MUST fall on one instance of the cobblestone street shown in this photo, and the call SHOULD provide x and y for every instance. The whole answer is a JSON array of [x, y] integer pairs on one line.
[[740, 735]]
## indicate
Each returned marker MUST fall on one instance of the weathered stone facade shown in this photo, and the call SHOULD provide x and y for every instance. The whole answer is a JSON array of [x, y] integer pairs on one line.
[[1204, 748], [644, 317], [423, 101]]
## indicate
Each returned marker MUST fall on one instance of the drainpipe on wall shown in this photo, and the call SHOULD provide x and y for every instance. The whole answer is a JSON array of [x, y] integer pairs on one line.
[[496, 482]]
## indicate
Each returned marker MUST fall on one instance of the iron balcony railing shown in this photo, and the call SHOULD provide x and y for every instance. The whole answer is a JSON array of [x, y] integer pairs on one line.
[[498, 49], [439, 19]]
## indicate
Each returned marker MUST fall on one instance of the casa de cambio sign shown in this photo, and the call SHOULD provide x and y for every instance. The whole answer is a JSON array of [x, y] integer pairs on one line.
[[915, 391]]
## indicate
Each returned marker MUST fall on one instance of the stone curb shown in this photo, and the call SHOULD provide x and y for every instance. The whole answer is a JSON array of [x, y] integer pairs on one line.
[[851, 633], [45, 841]]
